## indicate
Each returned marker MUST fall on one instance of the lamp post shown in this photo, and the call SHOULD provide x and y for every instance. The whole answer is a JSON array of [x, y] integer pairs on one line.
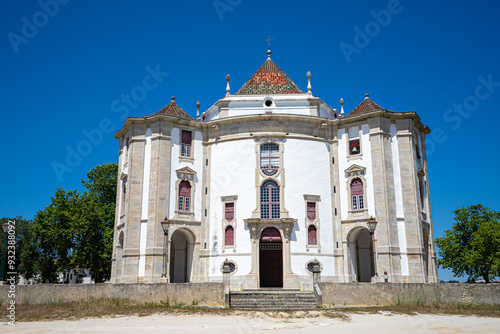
[[5, 227], [165, 225], [372, 224]]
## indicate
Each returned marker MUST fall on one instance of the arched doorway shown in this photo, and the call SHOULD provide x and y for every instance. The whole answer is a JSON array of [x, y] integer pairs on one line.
[[180, 258], [271, 259], [362, 256]]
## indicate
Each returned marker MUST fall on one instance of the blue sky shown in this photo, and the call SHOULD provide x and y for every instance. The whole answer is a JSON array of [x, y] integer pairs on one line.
[[67, 71]]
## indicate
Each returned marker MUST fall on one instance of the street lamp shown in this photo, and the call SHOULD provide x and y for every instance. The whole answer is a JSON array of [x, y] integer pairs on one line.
[[164, 225], [372, 224], [5, 227]]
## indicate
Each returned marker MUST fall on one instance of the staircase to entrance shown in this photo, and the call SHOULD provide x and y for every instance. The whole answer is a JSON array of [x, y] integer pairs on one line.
[[273, 299]]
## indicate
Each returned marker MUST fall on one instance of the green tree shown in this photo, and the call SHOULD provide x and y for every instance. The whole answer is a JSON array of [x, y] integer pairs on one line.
[[472, 246], [53, 229], [75, 231], [23, 246], [94, 227]]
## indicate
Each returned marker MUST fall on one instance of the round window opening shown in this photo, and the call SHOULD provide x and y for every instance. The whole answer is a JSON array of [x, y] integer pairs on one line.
[[269, 103]]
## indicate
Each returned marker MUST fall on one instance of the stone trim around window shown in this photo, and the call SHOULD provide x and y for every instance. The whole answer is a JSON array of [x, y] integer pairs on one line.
[[357, 172], [185, 174], [278, 177], [316, 199], [360, 135], [233, 223], [189, 158]]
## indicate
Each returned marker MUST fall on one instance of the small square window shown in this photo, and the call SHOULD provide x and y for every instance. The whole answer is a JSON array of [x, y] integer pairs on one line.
[[354, 147]]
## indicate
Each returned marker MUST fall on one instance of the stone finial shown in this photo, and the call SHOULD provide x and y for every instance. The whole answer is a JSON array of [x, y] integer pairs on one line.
[[225, 267], [341, 107], [367, 96], [269, 54], [172, 100], [198, 109], [309, 81], [228, 88]]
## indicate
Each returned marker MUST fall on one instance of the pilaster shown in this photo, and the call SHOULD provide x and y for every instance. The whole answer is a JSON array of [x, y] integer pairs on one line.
[[385, 198]]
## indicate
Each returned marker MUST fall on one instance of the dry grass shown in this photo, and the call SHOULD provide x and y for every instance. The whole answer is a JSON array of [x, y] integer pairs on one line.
[[432, 308], [97, 308]]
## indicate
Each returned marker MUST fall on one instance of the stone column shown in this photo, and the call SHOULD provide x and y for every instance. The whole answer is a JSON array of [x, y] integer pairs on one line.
[[133, 210], [385, 198], [335, 191], [159, 185], [226, 270], [409, 185]]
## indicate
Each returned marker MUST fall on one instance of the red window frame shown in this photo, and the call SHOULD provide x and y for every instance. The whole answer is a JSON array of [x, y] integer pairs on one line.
[[311, 211], [186, 137], [229, 236], [357, 194], [354, 143], [229, 212], [312, 233], [184, 196], [270, 200]]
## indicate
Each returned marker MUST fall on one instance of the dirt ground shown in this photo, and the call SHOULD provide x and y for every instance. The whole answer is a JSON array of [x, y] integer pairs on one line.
[[258, 322]]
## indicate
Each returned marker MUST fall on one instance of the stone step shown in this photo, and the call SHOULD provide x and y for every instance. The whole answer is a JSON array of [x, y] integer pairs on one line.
[[273, 300]]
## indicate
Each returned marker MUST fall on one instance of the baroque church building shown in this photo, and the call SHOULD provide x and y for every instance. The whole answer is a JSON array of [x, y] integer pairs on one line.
[[271, 178]]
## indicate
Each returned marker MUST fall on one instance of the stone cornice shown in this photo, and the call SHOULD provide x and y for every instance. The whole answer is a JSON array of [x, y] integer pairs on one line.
[[324, 127]]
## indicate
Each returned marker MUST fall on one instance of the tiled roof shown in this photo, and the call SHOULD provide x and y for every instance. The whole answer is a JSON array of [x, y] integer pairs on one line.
[[365, 106], [269, 79], [174, 110]]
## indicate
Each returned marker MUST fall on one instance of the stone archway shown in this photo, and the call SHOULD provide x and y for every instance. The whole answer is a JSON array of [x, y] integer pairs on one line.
[[271, 258], [181, 257], [361, 256]]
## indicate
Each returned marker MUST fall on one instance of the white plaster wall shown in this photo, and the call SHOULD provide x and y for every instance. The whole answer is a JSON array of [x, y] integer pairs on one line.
[[232, 173], [325, 112], [364, 161], [402, 245], [240, 108], [396, 172], [197, 166], [307, 171], [142, 247]]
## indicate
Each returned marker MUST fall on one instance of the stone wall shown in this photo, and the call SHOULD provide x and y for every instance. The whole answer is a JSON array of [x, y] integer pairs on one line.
[[201, 293], [392, 293], [337, 294]]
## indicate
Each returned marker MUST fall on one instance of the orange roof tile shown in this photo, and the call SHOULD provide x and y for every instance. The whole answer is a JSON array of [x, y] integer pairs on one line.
[[174, 110], [366, 106], [269, 79]]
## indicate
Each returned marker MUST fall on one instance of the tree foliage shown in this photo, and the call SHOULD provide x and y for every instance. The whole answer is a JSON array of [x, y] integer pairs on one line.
[[75, 231], [472, 246], [23, 245]]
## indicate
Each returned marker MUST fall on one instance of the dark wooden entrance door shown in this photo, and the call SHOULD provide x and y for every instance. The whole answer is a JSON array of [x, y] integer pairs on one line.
[[271, 259]]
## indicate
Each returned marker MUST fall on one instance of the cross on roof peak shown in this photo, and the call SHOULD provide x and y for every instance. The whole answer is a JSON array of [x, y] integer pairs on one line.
[[269, 49]]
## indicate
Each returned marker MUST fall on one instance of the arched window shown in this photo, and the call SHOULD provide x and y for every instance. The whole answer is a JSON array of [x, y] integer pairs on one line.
[[269, 200], [358, 201], [229, 236], [311, 233], [269, 158], [184, 196]]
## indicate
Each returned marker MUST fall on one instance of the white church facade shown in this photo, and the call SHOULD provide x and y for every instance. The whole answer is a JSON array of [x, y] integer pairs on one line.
[[271, 178]]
